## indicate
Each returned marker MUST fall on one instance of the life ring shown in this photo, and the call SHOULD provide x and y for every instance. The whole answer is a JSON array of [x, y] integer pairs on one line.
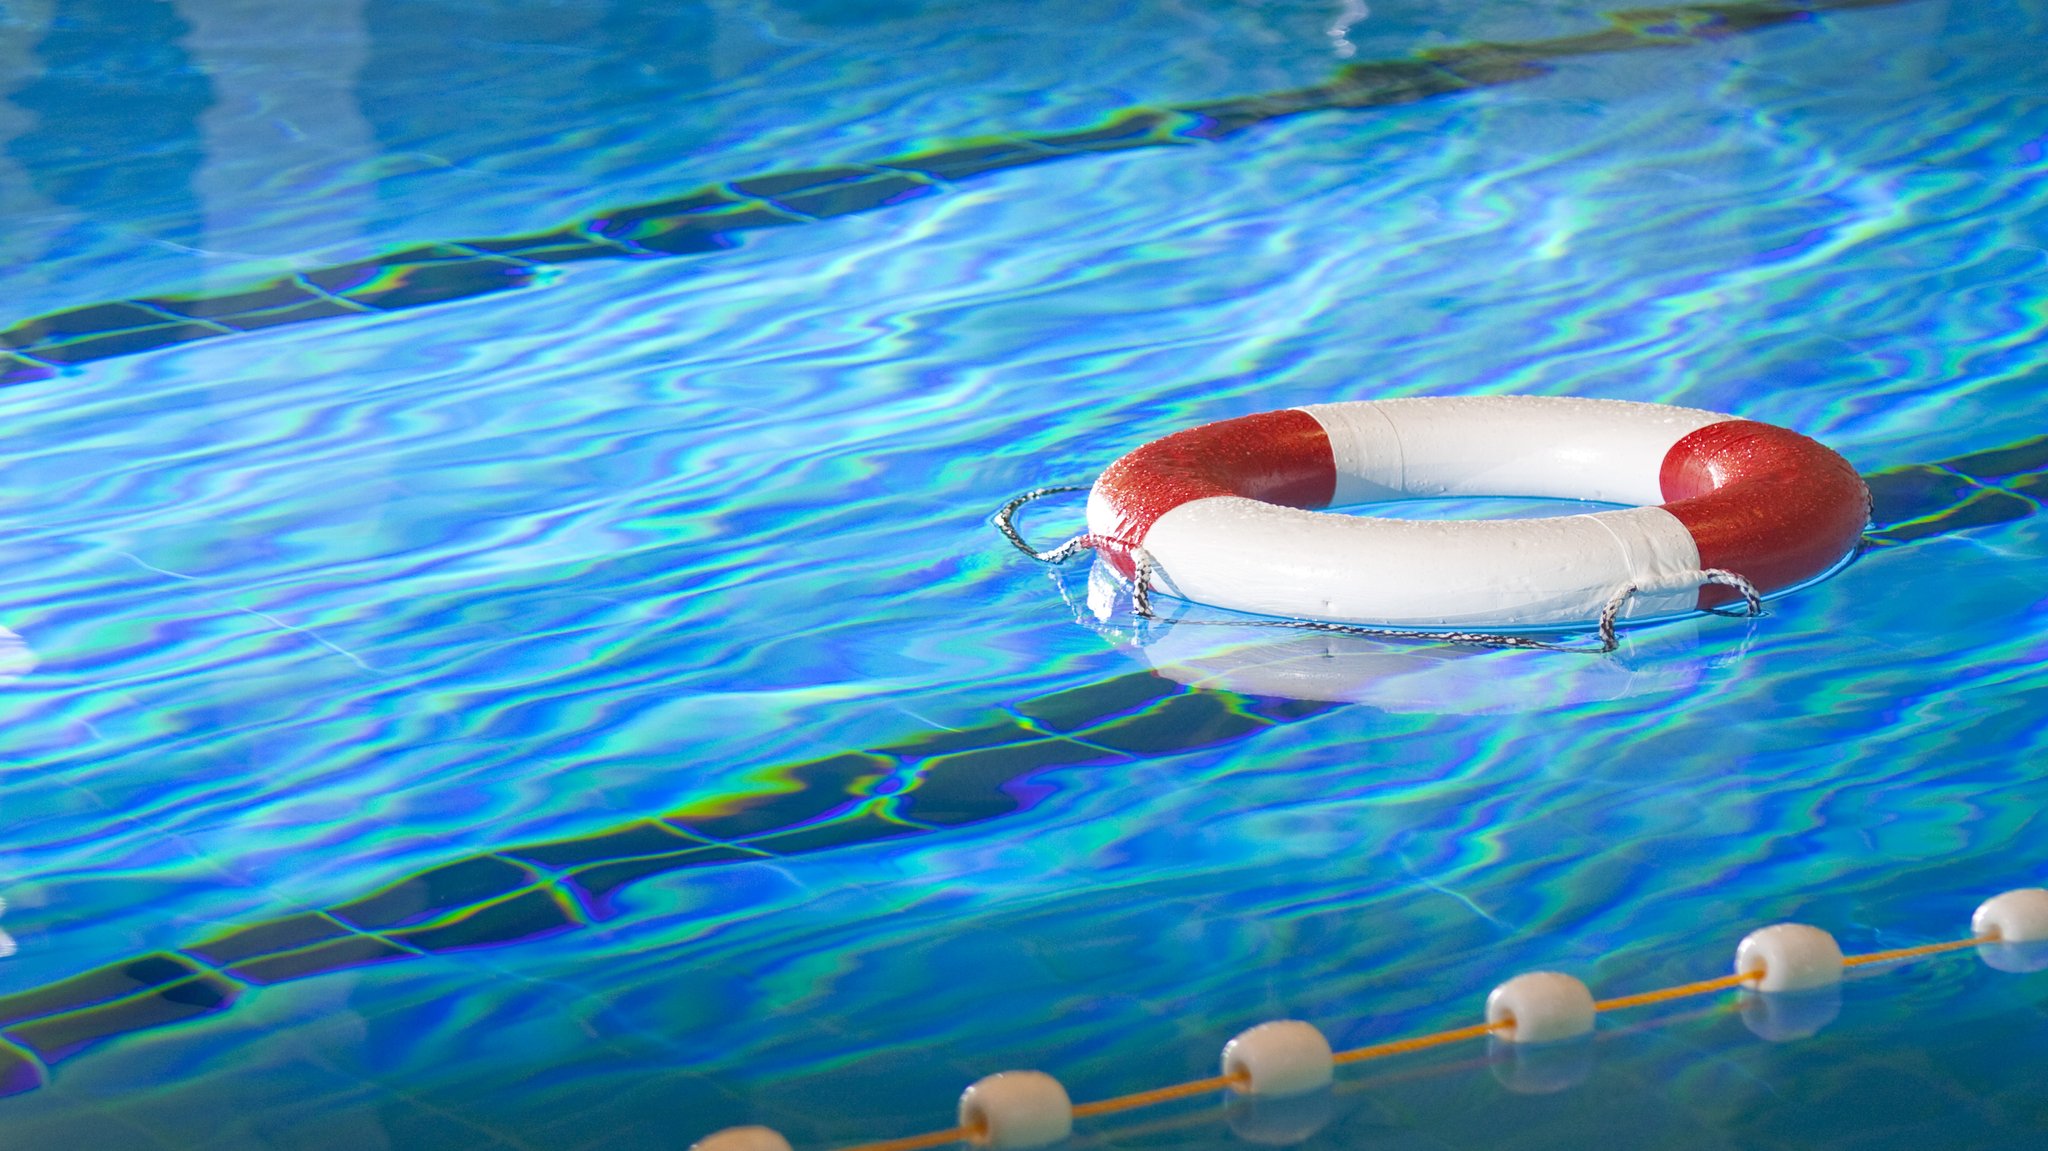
[[1222, 513]]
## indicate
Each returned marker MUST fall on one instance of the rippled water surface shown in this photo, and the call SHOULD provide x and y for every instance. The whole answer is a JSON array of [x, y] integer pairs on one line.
[[306, 611]]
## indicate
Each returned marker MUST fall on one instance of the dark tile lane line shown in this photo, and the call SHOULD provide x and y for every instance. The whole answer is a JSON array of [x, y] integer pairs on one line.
[[957, 778], [709, 219]]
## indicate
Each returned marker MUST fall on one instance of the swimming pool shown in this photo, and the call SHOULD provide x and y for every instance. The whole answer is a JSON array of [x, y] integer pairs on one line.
[[359, 653]]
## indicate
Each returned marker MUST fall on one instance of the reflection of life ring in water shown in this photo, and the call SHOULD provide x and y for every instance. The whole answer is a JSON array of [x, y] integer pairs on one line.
[[1406, 677], [1431, 679], [1221, 512]]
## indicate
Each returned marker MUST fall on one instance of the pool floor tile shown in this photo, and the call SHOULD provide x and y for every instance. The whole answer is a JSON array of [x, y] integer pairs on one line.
[[271, 935], [54, 1037], [99, 985], [437, 892]]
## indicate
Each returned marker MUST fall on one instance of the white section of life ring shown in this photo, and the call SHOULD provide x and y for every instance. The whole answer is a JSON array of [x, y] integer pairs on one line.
[[1259, 557], [1254, 556], [1550, 447]]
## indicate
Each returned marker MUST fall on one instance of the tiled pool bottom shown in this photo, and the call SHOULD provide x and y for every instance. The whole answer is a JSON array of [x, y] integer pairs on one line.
[[593, 715], [713, 218], [928, 781]]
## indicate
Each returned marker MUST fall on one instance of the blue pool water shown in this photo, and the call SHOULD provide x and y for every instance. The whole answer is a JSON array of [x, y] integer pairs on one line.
[[307, 611]]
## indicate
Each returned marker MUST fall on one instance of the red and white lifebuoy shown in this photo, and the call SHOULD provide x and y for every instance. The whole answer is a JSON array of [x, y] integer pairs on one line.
[[1223, 511]]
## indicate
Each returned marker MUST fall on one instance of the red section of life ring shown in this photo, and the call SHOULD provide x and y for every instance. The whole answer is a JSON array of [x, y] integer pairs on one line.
[[1278, 457], [1767, 503]]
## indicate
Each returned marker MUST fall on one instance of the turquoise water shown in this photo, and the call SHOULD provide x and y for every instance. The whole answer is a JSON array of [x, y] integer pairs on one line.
[[316, 609]]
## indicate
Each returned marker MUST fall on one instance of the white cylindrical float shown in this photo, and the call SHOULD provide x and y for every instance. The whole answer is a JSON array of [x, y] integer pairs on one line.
[[1789, 957], [2015, 928], [742, 1139], [1017, 1109], [1284, 1057], [1540, 1007], [2015, 917]]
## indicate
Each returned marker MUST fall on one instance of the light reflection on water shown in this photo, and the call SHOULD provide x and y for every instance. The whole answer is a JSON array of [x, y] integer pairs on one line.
[[317, 608]]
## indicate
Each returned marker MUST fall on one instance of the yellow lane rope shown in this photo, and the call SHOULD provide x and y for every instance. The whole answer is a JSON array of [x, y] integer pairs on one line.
[[1682, 991], [1157, 1095], [1418, 1043], [1897, 954], [1138, 1099]]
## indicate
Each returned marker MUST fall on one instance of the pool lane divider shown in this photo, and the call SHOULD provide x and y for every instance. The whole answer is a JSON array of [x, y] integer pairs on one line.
[[715, 217], [926, 782], [1789, 972]]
